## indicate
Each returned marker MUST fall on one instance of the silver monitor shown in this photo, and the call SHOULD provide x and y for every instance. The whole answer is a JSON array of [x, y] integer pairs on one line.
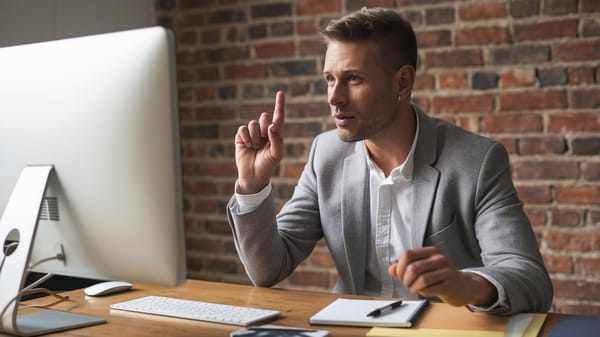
[[98, 113]]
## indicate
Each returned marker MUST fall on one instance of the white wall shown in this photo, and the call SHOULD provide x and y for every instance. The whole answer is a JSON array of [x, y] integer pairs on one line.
[[26, 21]]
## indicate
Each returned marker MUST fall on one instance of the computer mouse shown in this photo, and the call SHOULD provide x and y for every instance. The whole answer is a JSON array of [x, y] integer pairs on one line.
[[106, 288]]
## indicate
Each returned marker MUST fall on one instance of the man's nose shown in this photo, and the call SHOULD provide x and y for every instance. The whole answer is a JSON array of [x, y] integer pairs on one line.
[[337, 95]]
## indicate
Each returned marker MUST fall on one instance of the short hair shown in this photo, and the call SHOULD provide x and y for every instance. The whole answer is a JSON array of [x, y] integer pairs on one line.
[[384, 26]]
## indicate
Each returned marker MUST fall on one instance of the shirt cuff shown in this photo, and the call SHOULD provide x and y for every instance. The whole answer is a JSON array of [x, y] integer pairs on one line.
[[249, 202], [497, 307]]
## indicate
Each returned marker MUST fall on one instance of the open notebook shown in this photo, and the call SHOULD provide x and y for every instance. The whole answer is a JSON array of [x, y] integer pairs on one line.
[[354, 312]]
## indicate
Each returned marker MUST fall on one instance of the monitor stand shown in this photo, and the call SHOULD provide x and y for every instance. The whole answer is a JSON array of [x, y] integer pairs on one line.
[[20, 220]]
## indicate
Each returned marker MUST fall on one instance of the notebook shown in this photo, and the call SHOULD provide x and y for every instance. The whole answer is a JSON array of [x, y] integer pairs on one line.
[[353, 312]]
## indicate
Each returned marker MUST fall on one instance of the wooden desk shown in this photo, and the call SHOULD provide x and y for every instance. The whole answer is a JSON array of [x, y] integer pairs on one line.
[[296, 307]]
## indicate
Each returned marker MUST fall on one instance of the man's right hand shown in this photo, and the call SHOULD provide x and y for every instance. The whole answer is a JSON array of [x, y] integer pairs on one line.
[[259, 149]]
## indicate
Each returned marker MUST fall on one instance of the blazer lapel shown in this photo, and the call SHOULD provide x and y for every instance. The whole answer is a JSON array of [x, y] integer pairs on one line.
[[425, 177], [355, 214]]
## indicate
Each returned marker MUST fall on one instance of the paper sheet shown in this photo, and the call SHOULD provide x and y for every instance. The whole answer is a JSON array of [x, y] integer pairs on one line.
[[525, 325]]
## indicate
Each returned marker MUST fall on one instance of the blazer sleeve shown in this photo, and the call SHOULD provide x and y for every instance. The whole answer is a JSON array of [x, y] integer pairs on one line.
[[509, 249], [271, 245]]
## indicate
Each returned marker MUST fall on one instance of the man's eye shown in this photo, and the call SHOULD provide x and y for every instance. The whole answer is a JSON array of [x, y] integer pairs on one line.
[[354, 79], [329, 79]]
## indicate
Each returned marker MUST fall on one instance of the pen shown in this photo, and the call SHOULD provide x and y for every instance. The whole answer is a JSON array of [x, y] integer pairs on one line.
[[384, 309]]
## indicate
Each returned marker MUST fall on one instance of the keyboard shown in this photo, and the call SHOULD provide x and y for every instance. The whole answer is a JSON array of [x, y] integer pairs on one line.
[[197, 310]]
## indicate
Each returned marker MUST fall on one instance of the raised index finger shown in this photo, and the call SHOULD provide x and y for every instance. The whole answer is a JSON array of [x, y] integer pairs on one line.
[[279, 112]]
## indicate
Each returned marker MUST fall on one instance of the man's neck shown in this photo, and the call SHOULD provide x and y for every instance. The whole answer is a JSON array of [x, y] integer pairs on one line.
[[390, 148]]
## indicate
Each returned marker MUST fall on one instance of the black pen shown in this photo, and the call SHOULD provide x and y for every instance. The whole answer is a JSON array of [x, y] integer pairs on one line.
[[385, 309]]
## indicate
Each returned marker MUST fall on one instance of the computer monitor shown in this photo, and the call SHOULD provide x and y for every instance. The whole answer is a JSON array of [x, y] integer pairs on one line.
[[95, 120]]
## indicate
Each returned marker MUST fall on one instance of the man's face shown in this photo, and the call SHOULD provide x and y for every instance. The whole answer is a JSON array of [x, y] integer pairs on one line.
[[361, 90]]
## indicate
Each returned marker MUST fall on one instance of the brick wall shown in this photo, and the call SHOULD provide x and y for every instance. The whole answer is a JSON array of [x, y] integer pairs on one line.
[[524, 72]]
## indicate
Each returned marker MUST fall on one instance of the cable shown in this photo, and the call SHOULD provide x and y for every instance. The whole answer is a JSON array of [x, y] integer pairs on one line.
[[8, 249], [39, 281]]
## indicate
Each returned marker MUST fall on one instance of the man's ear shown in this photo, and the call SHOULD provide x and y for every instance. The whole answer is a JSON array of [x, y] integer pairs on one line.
[[405, 79]]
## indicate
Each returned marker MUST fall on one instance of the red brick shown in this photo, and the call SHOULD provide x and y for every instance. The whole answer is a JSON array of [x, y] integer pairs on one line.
[[434, 38], [538, 219], [307, 278], [578, 194], [453, 58], [581, 75], [591, 27], [557, 7], [512, 123], [534, 194], [575, 289], [210, 36], [460, 104], [546, 169], [453, 80], [574, 122], [590, 6], [193, 149], [302, 129], [576, 51], [321, 258], [236, 71], [204, 206], [585, 98], [204, 244], [591, 171], [439, 15], [542, 145], [424, 82], [311, 47], [566, 218], [533, 100], [211, 113], [509, 143], [275, 50], [573, 241], [594, 218], [588, 266], [190, 20], [199, 187], [309, 7], [580, 309], [293, 170], [517, 78], [217, 169], [482, 36], [422, 102], [482, 11], [545, 30], [558, 263], [204, 93], [381, 3], [307, 27], [470, 123], [307, 109]]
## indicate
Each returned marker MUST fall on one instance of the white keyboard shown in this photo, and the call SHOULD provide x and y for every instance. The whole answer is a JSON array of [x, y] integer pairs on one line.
[[197, 310]]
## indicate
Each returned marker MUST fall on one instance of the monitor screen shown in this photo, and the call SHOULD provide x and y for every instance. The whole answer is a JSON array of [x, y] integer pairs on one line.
[[101, 110]]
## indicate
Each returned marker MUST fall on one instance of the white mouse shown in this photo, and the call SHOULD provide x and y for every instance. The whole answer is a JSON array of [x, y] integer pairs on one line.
[[106, 288]]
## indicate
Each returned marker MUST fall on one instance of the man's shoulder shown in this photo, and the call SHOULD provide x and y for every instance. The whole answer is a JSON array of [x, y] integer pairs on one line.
[[448, 133], [329, 141], [329, 149]]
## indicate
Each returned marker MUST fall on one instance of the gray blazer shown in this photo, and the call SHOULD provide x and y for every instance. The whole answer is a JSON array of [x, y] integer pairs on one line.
[[464, 203]]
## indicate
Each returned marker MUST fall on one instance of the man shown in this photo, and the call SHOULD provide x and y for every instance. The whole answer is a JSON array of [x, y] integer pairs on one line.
[[408, 205]]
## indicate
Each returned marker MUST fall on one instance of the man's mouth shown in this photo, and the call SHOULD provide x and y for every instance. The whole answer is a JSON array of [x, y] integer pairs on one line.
[[342, 120]]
